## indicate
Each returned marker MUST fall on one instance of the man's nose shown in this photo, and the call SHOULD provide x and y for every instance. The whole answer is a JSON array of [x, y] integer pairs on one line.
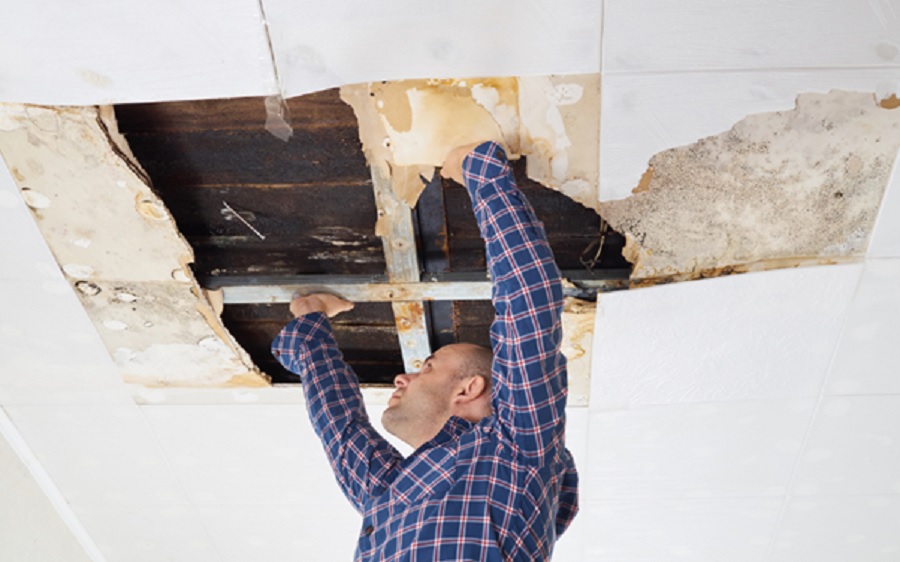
[[401, 380]]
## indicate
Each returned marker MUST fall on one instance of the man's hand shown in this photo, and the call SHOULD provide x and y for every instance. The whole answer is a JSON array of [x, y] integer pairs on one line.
[[452, 167], [331, 305]]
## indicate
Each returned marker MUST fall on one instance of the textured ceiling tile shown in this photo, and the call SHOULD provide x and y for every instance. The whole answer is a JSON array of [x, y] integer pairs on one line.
[[867, 358], [696, 450], [852, 448], [713, 35], [644, 114], [695, 530], [149, 533], [837, 529], [755, 336], [97, 52], [308, 531], [398, 39], [99, 455], [244, 454], [885, 241]]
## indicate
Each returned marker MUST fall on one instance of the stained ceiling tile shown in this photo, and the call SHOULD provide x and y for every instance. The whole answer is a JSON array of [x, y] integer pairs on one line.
[[696, 450], [749, 34], [97, 52], [644, 114]]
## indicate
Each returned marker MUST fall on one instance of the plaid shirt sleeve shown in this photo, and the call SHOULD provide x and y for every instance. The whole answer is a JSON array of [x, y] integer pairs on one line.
[[362, 460], [529, 371]]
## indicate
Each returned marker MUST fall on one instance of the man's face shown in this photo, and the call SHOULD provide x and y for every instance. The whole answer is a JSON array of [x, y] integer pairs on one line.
[[422, 402]]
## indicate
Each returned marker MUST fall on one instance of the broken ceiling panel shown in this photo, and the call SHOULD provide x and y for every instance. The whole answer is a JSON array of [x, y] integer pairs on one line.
[[777, 190], [118, 246], [312, 198], [398, 39], [647, 113], [554, 120], [96, 52]]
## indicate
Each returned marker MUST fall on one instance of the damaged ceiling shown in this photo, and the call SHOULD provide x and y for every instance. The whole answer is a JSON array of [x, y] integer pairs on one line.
[[166, 206], [172, 210]]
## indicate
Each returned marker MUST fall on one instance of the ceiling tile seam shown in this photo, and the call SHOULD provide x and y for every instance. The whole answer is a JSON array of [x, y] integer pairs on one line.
[[782, 512], [45, 482], [268, 34], [162, 452]]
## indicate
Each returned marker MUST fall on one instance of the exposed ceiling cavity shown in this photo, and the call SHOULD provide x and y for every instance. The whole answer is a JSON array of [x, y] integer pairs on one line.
[[196, 204]]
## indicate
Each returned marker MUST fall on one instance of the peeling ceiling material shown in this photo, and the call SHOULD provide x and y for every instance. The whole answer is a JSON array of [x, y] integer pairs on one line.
[[778, 190], [118, 246], [554, 120]]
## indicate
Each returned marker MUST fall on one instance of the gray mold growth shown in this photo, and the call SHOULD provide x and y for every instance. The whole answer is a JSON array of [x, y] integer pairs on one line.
[[778, 190]]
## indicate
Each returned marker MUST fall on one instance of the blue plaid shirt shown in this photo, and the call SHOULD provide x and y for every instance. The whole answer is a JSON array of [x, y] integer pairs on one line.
[[502, 489]]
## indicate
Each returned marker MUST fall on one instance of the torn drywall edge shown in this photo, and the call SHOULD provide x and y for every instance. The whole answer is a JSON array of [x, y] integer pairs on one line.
[[778, 189], [107, 229], [554, 120]]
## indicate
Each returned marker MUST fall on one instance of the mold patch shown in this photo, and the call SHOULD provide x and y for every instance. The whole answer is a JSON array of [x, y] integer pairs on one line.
[[778, 190]]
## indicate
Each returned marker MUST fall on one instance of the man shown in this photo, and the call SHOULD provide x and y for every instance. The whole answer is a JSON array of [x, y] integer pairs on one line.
[[490, 478]]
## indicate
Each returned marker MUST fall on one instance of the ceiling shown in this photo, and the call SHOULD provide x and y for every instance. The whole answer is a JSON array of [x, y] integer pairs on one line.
[[746, 417], [312, 202]]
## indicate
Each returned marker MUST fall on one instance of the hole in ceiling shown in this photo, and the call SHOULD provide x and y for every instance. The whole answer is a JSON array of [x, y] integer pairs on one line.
[[259, 211]]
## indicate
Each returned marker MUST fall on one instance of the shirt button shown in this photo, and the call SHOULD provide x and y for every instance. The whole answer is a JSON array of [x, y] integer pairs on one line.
[[369, 530], [277, 353]]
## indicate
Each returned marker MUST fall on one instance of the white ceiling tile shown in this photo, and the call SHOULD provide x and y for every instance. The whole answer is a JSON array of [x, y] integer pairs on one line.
[[853, 448], [98, 454], [743, 337], [647, 113], [709, 34], [283, 533], [697, 530], [867, 359], [838, 529], [23, 252], [244, 454], [885, 240], [49, 350], [95, 52], [696, 451], [398, 39], [149, 533]]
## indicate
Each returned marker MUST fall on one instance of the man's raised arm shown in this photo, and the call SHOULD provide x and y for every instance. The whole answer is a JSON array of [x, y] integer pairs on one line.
[[530, 387], [360, 458]]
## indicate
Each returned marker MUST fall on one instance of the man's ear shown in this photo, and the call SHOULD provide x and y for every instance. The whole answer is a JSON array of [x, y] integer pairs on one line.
[[469, 389]]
